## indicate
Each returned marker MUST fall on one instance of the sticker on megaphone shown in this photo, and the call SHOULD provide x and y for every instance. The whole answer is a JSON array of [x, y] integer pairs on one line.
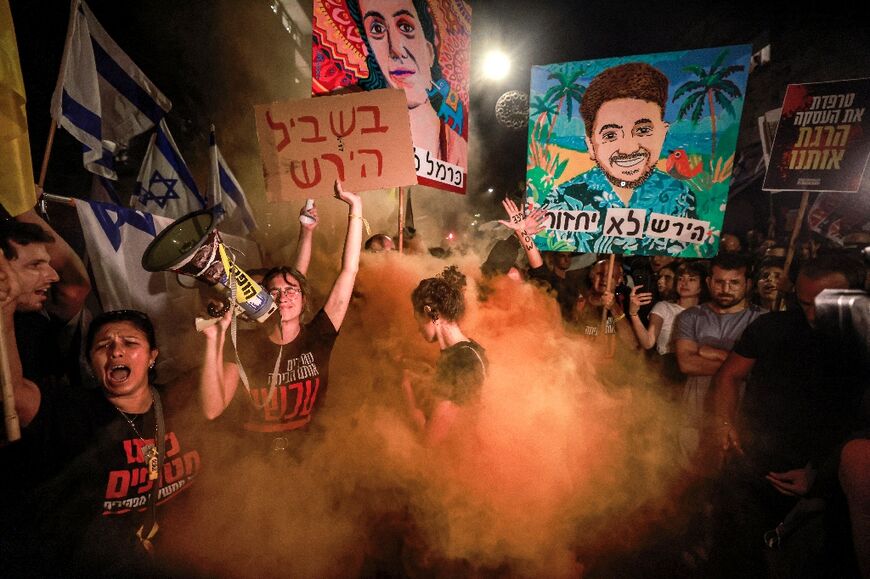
[[250, 295]]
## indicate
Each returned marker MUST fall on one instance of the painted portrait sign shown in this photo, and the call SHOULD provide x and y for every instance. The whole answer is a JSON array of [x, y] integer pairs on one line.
[[633, 155], [419, 46], [823, 138], [362, 139]]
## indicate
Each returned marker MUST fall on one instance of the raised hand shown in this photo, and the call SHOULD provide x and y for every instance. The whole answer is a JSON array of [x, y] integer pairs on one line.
[[309, 224], [531, 224], [348, 197], [638, 299]]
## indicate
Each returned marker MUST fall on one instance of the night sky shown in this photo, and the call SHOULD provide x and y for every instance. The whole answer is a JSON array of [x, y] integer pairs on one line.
[[216, 59]]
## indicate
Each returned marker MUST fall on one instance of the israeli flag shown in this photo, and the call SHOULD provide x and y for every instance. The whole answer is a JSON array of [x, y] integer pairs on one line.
[[102, 98], [165, 186], [227, 196]]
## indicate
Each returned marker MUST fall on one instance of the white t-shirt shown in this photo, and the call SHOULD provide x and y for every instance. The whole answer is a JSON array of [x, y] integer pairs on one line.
[[667, 311]]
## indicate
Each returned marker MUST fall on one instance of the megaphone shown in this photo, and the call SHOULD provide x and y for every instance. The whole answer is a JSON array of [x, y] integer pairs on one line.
[[192, 246]]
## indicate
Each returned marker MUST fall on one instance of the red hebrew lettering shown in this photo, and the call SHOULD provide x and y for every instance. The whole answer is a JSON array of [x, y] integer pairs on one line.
[[313, 120], [376, 117], [342, 132], [377, 154], [285, 139], [335, 160], [118, 485], [307, 183]]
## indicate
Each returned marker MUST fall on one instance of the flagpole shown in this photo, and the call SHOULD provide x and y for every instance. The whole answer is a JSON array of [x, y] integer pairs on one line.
[[401, 220], [789, 255], [10, 417], [609, 287], [44, 169]]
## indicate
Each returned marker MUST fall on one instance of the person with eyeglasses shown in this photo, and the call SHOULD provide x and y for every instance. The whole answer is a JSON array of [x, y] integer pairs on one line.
[[284, 370]]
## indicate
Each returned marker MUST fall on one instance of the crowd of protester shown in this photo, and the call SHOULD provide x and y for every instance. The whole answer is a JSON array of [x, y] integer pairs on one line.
[[772, 442]]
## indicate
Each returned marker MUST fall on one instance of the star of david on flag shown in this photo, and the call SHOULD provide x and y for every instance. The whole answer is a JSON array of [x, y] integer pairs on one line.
[[164, 185], [102, 98]]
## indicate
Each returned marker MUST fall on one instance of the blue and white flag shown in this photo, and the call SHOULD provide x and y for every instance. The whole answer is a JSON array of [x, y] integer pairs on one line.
[[102, 98], [165, 186], [103, 190], [226, 195], [116, 238]]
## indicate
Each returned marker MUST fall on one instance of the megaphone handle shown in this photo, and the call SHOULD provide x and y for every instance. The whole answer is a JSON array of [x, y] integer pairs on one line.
[[203, 323]]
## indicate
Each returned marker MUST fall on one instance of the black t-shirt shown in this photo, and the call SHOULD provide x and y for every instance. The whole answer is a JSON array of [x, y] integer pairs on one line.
[[84, 486], [567, 289], [459, 373], [802, 395], [44, 359], [300, 381]]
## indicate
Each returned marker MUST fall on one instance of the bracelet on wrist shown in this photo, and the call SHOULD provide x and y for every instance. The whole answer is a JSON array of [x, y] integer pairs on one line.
[[619, 317], [363, 219]]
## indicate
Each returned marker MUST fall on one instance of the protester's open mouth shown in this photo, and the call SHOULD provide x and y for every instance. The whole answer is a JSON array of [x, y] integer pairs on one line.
[[119, 373]]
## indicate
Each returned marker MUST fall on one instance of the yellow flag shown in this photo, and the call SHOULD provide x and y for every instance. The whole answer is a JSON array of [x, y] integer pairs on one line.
[[17, 193]]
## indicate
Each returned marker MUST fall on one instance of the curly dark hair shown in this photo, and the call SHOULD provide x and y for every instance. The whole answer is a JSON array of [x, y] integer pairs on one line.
[[376, 77], [634, 80], [443, 295]]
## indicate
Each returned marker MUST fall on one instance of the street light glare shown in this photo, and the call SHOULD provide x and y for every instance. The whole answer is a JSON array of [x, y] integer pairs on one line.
[[496, 65]]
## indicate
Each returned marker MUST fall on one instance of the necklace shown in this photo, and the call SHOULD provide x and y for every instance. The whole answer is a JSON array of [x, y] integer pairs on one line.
[[149, 451]]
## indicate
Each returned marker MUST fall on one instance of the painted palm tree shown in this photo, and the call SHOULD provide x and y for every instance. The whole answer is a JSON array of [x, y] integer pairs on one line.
[[565, 93], [713, 86], [543, 110]]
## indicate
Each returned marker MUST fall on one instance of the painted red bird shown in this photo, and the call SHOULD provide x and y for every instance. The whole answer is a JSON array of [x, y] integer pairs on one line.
[[679, 165]]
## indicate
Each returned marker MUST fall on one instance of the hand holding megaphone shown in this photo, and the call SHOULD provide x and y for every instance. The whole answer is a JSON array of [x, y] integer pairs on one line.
[[192, 246]]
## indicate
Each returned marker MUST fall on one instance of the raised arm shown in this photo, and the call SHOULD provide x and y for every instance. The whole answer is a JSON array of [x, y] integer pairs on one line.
[[524, 229], [218, 380], [68, 294], [646, 336], [26, 393], [306, 237], [342, 289]]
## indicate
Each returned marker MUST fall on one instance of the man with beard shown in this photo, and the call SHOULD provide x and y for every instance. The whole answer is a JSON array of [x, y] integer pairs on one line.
[[705, 335], [623, 112]]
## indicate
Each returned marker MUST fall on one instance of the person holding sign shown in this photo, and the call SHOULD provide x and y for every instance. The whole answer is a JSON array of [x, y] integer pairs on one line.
[[288, 366], [403, 53], [623, 112]]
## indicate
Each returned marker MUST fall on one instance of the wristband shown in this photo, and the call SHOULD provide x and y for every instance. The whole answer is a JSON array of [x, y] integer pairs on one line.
[[363, 219]]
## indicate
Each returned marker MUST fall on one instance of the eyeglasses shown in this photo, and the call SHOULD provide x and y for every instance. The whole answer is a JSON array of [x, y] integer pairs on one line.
[[287, 291]]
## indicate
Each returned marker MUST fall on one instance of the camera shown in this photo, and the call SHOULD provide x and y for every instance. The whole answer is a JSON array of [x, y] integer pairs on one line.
[[845, 314]]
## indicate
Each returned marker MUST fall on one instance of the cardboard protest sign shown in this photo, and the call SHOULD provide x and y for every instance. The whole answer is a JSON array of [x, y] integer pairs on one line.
[[835, 216], [361, 139], [633, 155], [823, 138], [419, 46]]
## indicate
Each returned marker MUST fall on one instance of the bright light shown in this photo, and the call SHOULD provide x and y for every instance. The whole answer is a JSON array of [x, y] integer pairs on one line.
[[496, 65], [490, 190]]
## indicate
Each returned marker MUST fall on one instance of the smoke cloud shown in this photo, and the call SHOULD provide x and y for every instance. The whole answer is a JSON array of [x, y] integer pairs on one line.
[[540, 478]]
